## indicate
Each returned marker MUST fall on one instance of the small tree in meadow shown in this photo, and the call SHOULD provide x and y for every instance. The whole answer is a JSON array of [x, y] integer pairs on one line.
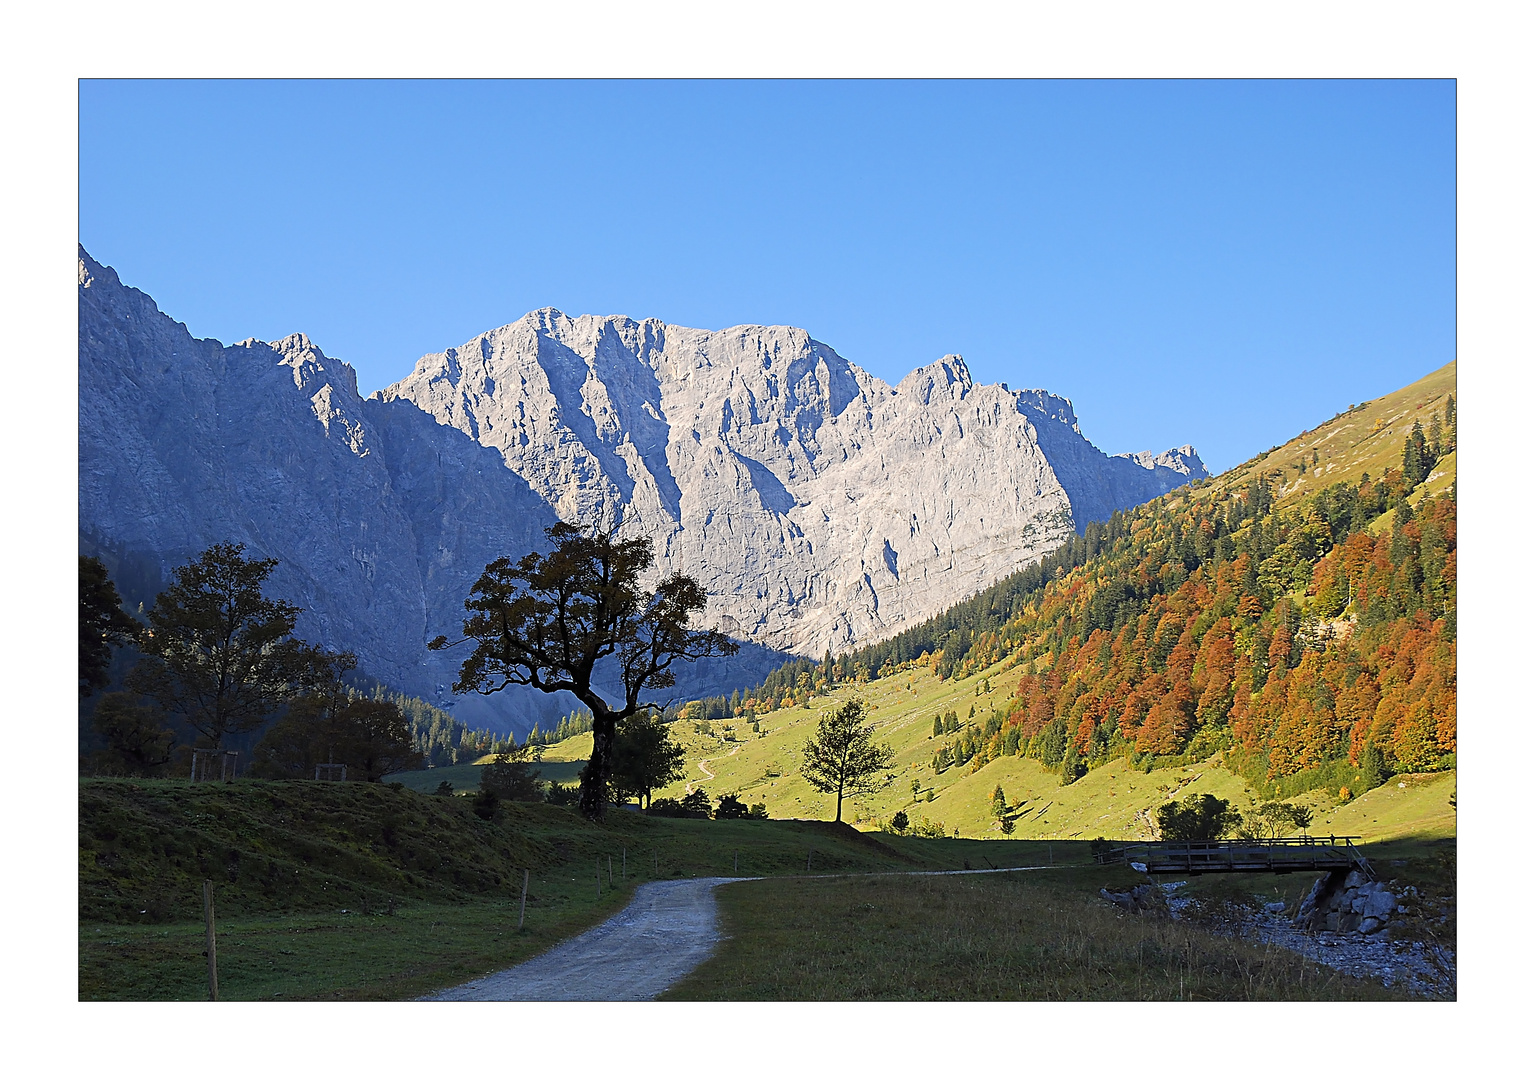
[[842, 756]]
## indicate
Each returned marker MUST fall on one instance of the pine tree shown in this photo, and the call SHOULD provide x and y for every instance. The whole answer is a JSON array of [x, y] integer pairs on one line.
[[1415, 457], [1072, 768]]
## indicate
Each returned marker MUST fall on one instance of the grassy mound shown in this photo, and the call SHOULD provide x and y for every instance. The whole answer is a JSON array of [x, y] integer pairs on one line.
[[288, 846]]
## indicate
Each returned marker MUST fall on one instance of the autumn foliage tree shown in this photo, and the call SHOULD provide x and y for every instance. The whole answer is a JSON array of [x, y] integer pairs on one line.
[[562, 619]]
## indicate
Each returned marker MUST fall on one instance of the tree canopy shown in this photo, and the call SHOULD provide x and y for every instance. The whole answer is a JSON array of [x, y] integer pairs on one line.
[[644, 756], [842, 756], [372, 738], [1197, 817], [103, 625], [551, 618], [219, 653]]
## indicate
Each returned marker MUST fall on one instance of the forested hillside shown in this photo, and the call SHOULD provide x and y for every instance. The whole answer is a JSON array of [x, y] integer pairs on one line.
[[1306, 630]]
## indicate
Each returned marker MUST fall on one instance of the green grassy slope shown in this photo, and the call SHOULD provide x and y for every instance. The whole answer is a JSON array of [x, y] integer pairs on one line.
[[1114, 801], [281, 846], [1365, 440], [1111, 801]]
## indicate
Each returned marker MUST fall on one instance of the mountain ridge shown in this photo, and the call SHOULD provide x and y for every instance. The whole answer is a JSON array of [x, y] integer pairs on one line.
[[820, 506]]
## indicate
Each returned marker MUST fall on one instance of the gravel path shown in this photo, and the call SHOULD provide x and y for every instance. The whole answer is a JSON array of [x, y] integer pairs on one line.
[[668, 929]]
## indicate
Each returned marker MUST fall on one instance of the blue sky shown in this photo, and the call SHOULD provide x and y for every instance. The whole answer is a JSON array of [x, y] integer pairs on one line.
[[1222, 263]]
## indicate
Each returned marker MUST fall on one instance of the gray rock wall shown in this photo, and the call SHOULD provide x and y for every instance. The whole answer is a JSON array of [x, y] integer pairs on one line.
[[820, 506]]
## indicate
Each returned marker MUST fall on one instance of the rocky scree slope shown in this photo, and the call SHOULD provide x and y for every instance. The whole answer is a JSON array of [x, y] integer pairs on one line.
[[820, 506]]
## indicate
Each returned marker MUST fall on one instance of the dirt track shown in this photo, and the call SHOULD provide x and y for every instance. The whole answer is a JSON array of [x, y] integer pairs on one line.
[[668, 929]]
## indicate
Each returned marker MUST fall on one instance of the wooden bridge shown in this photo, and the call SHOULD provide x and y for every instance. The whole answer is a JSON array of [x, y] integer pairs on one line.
[[1314, 854]]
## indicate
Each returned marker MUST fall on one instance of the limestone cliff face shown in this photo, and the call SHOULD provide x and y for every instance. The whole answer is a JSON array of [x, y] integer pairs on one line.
[[820, 506]]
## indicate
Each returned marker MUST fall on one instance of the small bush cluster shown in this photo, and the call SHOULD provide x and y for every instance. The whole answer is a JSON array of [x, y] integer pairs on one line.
[[695, 804]]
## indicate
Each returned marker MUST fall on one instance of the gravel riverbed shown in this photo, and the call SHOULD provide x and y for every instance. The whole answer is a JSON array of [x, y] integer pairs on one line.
[[1425, 970]]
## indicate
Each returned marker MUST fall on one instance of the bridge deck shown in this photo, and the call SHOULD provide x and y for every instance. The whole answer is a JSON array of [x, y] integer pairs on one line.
[[1284, 856]]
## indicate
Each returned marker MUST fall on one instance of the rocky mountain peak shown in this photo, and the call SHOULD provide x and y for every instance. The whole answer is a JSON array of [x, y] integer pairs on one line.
[[819, 506]]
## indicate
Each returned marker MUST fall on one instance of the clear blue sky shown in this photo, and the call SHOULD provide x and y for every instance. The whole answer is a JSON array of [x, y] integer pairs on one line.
[[1222, 263]]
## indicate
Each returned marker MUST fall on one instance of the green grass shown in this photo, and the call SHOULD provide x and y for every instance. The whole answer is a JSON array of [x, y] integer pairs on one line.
[[1409, 805], [1031, 936], [314, 868], [337, 956], [464, 778], [1367, 440]]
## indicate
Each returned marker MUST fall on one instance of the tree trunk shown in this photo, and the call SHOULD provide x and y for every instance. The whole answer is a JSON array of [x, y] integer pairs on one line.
[[594, 783], [839, 802]]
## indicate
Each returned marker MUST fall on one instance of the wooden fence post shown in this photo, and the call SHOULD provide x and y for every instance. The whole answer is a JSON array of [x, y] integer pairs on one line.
[[523, 912], [610, 871], [625, 866], [213, 957], [737, 854]]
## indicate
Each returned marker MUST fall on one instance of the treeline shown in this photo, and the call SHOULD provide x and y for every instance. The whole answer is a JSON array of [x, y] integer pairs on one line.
[[569, 726]]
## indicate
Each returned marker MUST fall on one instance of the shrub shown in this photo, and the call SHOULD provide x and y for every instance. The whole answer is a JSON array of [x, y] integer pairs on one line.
[[899, 822], [444, 788], [563, 795], [730, 807], [1271, 820], [511, 778], [932, 829], [1196, 817], [695, 804], [485, 804]]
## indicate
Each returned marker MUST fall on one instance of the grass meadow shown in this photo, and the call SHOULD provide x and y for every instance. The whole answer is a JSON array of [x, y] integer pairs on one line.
[[356, 891], [1031, 936]]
